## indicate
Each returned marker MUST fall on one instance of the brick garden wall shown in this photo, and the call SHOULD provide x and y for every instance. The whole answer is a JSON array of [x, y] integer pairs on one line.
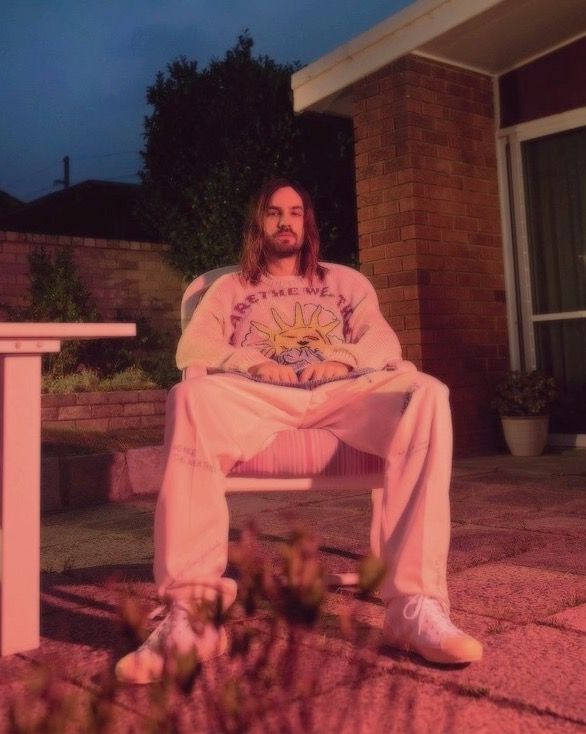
[[429, 227], [104, 411], [123, 277]]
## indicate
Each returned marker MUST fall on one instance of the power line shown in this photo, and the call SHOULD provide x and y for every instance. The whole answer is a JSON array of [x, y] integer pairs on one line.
[[120, 178], [105, 155]]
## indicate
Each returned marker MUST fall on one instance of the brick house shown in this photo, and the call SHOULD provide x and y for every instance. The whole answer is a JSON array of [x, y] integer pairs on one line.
[[470, 159]]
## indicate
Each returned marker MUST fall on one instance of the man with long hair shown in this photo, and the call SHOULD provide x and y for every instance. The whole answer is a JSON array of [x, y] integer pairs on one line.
[[287, 342]]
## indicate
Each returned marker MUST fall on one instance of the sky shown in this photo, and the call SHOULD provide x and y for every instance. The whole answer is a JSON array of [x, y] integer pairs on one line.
[[74, 73]]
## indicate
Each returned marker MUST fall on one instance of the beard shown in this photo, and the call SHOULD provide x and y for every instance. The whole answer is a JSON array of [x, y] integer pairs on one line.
[[282, 247]]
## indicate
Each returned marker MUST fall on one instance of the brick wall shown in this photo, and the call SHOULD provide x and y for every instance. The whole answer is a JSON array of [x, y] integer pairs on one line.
[[103, 411], [131, 277], [429, 227]]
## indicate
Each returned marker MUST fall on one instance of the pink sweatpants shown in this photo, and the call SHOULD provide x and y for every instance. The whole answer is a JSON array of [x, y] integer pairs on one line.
[[215, 420]]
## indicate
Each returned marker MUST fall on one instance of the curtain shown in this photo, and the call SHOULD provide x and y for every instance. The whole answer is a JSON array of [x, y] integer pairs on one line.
[[555, 186]]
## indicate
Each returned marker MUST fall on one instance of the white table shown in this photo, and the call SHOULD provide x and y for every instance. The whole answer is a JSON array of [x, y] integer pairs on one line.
[[22, 346]]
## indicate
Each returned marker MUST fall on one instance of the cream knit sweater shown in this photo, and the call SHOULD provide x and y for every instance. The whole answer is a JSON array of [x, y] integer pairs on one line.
[[288, 319]]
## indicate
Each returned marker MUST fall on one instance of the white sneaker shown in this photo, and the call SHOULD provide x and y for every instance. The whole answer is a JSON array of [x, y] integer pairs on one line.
[[422, 624], [173, 638]]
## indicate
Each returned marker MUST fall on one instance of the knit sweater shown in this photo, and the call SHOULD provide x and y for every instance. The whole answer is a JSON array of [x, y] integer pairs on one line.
[[290, 320]]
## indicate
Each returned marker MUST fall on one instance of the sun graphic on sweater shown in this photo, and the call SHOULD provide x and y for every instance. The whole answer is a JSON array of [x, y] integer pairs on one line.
[[301, 336]]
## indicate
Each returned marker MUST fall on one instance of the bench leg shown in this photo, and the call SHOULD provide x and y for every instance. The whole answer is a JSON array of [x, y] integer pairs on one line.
[[20, 437]]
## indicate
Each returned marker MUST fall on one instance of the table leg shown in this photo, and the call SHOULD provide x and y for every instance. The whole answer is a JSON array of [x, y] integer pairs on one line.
[[20, 458]]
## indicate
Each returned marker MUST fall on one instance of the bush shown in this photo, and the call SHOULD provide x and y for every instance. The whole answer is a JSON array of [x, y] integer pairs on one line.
[[150, 351], [58, 294], [88, 380]]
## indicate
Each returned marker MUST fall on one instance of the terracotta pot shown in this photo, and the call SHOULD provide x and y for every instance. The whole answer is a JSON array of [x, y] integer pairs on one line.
[[525, 435]]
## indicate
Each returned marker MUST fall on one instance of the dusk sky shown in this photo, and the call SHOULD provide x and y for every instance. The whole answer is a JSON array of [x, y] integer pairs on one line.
[[75, 72]]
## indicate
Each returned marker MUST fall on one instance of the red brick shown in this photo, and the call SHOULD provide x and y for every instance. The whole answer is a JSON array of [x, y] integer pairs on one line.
[[139, 409], [405, 307], [388, 236], [152, 421], [379, 281], [105, 411], [124, 422], [70, 424], [413, 352], [374, 253], [410, 336], [397, 323], [73, 412], [93, 424], [413, 322], [391, 295]]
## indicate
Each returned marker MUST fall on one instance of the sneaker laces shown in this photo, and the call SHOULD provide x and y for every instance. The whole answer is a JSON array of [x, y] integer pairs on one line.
[[175, 621], [432, 615]]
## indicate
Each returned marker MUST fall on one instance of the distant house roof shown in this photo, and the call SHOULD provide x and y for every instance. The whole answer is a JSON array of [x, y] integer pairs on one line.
[[9, 203], [102, 209], [489, 36]]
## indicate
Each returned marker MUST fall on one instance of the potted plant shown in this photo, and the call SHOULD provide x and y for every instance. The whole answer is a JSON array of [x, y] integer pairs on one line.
[[523, 400]]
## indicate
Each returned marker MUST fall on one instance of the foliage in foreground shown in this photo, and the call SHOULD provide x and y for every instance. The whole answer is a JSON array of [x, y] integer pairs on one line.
[[272, 678]]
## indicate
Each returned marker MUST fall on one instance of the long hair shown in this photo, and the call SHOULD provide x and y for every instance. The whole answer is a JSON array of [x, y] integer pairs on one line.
[[253, 258]]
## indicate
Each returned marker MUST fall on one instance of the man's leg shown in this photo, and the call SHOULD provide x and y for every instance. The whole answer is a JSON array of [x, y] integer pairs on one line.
[[211, 423], [405, 418]]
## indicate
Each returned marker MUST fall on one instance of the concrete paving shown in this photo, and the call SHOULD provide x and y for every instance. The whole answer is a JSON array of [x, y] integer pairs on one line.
[[517, 578]]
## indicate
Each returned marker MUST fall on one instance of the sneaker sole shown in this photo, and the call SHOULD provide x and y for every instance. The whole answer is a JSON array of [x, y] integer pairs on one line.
[[433, 655], [155, 672]]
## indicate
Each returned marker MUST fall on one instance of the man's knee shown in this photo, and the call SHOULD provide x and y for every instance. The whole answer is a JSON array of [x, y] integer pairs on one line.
[[186, 390], [433, 385]]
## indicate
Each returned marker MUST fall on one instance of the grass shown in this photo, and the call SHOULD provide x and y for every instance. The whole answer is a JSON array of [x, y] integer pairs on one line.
[[73, 442], [87, 380]]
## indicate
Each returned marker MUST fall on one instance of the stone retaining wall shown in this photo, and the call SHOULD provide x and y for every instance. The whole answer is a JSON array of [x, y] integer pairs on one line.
[[104, 411], [69, 482]]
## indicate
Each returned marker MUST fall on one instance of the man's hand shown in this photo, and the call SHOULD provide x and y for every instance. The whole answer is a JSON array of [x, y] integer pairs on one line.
[[323, 371], [274, 372]]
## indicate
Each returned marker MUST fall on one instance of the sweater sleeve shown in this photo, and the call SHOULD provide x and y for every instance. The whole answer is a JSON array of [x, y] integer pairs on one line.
[[371, 342], [206, 339]]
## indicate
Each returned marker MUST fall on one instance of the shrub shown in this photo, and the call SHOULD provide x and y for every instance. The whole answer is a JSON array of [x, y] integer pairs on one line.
[[88, 380], [58, 294]]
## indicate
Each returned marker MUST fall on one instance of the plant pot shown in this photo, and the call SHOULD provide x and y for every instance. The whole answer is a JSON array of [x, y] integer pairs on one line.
[[525, 435]]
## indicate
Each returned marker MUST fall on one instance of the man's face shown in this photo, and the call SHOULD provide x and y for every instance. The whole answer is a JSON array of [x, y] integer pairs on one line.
[[283, 223]]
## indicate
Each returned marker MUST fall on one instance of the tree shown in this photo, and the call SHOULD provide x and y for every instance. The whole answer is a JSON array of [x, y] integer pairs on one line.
[[215, 135]]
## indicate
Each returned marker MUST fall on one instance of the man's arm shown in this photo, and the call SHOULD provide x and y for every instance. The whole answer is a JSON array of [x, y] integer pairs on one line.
[[371, 341], [205, 340]]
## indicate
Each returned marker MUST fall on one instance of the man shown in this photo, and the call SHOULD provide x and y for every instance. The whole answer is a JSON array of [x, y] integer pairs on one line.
[[288, 343]]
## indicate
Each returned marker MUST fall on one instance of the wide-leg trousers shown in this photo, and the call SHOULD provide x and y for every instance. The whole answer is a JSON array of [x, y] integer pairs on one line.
[[216, 420]]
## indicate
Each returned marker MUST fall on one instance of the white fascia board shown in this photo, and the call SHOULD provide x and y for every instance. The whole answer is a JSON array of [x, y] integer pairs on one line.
[[400, 34]]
